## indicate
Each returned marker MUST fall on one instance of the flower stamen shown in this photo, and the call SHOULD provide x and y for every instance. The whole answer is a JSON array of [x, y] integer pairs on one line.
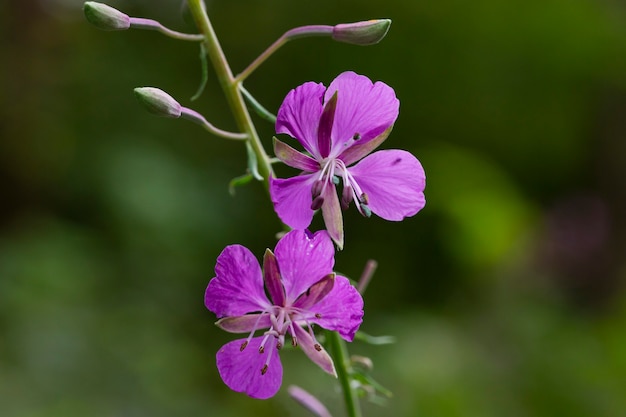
[[294, 338], [254, 329]]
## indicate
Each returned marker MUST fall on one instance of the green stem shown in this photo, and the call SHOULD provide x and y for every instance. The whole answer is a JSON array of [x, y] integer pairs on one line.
[[149, 24], [230, 86], [339, 352]]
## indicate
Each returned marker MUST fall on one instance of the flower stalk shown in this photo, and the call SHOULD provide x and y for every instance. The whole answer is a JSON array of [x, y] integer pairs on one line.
[[295, 33], [149, 24], [106, 17], [339, 352], [230, 87], [359, 33], [197, 118]]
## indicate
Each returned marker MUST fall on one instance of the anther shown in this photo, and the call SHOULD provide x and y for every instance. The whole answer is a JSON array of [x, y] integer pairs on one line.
[[364, 199], [317, 202], [317, 188], [335, 180], [318, 316], [356, 136], [264, 369], [294, 341], [279, 345], [365, 210], [243, 346], [317, 347], [261, 349]]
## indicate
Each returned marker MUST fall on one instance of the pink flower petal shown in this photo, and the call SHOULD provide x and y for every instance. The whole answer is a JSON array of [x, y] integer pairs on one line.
[[241, 370], [237, 288], [299, 115], [304, 260], [394, 182], [341, 310], [363, 108], [292, 200]]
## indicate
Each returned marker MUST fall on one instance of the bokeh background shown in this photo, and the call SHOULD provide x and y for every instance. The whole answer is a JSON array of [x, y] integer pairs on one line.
[[506, 293]]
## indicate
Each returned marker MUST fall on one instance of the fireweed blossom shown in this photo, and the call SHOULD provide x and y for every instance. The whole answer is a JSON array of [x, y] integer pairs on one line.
[[303, 291], [338, 126]]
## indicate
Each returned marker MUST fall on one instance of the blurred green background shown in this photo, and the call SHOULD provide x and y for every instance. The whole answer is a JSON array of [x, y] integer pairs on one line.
[[506, 293]]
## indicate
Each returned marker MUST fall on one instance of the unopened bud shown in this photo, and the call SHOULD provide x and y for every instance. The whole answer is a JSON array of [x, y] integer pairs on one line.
[[158, 102], [105, 17], [368, 32]]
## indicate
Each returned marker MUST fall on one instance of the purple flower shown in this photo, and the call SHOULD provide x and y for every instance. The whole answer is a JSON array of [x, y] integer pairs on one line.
[[303, 290], [338, 126]]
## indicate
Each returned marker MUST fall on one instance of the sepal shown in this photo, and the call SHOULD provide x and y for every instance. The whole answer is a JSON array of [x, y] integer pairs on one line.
[[245, 323], [315, 351]]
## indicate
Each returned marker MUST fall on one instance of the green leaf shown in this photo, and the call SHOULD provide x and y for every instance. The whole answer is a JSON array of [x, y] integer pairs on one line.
[[238, 182], [257, 107], [205, 73], [253, 166], [374, 340]]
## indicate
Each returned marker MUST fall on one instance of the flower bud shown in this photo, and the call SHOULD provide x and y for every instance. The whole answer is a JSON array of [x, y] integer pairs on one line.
[[105, 17], [158, 102], [368, 32]]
